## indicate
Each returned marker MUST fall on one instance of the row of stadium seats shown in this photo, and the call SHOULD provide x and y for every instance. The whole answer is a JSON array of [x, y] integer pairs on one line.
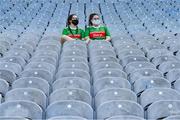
[[136, 76]]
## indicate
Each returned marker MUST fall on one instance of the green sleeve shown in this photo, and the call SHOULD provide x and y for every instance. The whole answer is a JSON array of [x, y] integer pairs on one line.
[[87, 32], [65, 32], [82, 33], [107, 32]]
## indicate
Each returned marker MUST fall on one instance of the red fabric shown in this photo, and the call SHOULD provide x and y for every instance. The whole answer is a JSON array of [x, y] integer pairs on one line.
[[77, 36], [100, 34]]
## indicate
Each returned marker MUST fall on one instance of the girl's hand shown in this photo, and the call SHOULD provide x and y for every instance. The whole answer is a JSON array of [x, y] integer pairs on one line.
[[88, 41]]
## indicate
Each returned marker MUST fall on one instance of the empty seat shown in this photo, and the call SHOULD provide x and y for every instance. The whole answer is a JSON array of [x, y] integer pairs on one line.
[[12, 118], [70, 94], [67, 118], [4, 87], [133, 58], [73, 73], [47, 53], [160, 59], [24, 109], [7, 75], [74, 65], [115, 108], [106, 65], [144, 72], [69, 108], [106, 95], [74, 53], [103, 59], [152, 95], [26, 47], [41, 65], [109, 73], [173, 75], [173, 117], [71, 82], [104, 52], [169, 65], [151, 82], [44, 74], [46, 59], [163, 109], [138, 65], [127, 52], [29, 94], [16, 59], [73, 59], [158, 52], [125, 117], [48, 47], [32, 82], [110, 82], [14, 67]]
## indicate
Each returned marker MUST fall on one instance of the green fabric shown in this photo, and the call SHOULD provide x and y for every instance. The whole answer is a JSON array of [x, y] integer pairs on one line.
[[97, 29], [67, 32]]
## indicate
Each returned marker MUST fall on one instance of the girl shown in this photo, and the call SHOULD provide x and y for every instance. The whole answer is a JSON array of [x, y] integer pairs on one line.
[[72, 32], [96, 31]]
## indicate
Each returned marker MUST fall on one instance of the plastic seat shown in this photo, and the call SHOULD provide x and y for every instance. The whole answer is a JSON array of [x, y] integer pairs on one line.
[[27, 48], [48, 47], [69, 108], [14, 67], [29, 94], [133, 58], [106, 65], [106, 95], [125, 117], [24, 109], [173, 75], [70, 83], [32, 82], [173, 117], [103, 73], [17, 59], [74, 65], [104, 52], [73, 73], [115, 108], [152, 95], [4, 87], [144, 72], [151, 82], [73, 59], [138, 65], [18, 52], [41, 65], [47, 53], [164, 108], [12, 118], [70, 94], [74, 53], [160, 59], [46, 59], [7, 75], [67, 118], [169, 65], [110, 83], [127, 52], [103, 59], [44, 74], [158, 52]]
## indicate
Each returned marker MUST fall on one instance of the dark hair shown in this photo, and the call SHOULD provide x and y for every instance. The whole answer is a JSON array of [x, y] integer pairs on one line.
[[91, 17], [69, 18]]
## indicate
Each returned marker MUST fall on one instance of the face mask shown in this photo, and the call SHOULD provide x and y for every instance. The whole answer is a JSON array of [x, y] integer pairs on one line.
[[75, 22], [96, 22]]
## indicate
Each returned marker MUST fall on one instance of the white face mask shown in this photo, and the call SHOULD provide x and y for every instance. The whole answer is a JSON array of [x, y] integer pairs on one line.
[[96, 22]]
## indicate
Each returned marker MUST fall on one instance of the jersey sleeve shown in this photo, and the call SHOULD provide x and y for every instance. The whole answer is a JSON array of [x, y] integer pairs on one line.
[[64, 32], [82, 33], [107, 32], [87, 31]]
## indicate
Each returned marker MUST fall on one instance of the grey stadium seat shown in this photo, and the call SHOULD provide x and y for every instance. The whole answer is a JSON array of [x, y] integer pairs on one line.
[[125, 117]]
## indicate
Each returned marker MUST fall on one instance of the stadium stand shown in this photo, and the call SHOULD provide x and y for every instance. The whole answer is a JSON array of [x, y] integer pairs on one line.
[[136, 76]]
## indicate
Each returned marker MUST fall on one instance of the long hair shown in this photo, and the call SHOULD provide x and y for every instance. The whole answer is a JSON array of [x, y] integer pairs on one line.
[[91, 17], [68, 19]]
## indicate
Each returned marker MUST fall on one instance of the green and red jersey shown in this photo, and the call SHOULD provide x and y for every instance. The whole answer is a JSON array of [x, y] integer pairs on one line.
[[75, 33], [97, 33]]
